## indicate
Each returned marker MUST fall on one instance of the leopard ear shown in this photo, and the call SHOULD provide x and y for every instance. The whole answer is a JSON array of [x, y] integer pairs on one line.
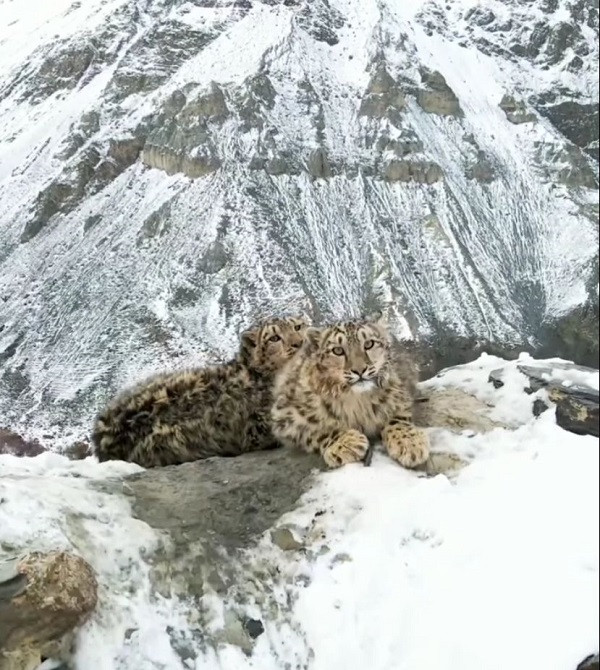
[[313, 337], [249, 338], [248, 343], [302, 318], [377, 317]]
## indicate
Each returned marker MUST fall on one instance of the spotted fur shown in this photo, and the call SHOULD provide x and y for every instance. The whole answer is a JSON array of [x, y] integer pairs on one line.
[[344, 389], [192, 414]]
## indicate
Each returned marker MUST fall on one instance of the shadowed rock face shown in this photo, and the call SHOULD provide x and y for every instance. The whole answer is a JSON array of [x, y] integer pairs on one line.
[[160, 191]]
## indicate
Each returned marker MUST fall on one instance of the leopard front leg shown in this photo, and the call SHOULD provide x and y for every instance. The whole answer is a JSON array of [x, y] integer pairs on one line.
[[346, 447], [315, 433], [405, 443]]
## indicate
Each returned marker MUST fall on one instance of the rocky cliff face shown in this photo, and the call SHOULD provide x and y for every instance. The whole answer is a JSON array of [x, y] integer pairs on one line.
[[169, 170]]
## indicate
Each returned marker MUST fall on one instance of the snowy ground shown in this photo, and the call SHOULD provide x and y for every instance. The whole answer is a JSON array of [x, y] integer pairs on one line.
[[495, 568]]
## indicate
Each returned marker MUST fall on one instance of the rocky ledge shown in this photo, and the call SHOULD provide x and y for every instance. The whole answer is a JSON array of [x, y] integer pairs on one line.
[[209, 516], [569, 387]]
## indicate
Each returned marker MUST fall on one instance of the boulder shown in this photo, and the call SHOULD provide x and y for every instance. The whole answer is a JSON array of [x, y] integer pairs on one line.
[[419, 172], [577, 414], [14, 444], [43, 599]]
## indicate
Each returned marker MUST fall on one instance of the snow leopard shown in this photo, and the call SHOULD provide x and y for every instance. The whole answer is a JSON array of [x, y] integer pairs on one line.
[[192, 414], [344, 388]]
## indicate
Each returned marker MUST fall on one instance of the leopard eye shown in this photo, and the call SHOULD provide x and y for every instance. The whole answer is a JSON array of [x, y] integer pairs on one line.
[[274, 338], [297, 327], [338, 351], [369, 344]]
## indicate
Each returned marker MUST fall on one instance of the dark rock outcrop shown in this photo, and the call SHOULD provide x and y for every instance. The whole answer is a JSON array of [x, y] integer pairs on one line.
[[438, 97], [384, 97], [516, 111], [240, 497]]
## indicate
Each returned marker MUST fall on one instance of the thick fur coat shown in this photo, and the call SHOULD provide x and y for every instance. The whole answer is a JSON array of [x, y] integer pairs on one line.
[[344, 389], [223, 410]]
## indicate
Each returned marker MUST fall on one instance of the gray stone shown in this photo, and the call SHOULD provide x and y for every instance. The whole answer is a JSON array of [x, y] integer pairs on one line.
[[38, 619], [285, 540], [254, 627], [228, 500], [88, 173], [16, 445], [279, 165], [574, 336], [202, 163], [516, 111], [320, 20], [578, 122], [383, 97], [318, 164], [182, 143], [539, 407], [207, 513], [438, 97], [12, 582], [577, 414], [482, 170], [421, 172], [495, 378], [577, 171]]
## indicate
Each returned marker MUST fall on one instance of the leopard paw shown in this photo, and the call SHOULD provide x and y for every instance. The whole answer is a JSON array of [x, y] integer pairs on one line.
[[350, 447], [406, 444]]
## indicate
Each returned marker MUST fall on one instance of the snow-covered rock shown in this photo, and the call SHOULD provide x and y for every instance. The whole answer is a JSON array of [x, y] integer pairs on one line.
[[217, 565], [170, 169]]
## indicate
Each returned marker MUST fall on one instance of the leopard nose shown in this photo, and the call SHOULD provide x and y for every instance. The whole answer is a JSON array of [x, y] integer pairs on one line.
[[296, 345], [359, 374]]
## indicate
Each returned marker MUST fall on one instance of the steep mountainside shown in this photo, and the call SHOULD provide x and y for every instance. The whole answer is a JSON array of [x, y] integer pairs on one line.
[[169, 170]]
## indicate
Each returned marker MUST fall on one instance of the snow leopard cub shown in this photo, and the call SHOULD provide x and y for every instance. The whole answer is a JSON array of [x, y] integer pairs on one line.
[[221, 410], [344, 388]]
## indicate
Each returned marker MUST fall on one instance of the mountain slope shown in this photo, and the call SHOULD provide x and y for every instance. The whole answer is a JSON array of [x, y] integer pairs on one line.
[[169, 170]]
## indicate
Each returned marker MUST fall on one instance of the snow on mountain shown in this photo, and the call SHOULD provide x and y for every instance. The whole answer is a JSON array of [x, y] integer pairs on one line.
[[493, 567], [170, 170]]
